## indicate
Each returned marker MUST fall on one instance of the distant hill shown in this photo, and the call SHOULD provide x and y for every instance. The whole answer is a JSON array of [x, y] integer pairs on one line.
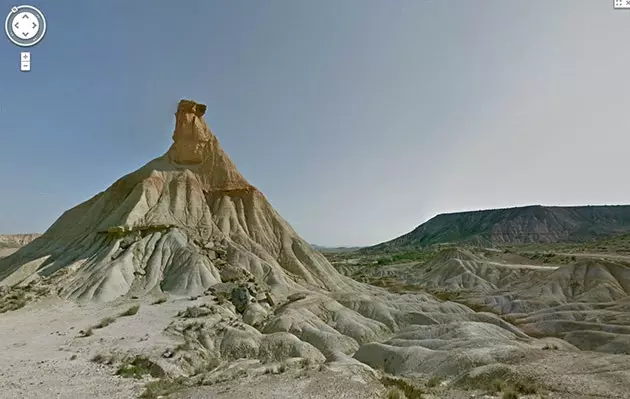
[[333, 249], [521, 225]]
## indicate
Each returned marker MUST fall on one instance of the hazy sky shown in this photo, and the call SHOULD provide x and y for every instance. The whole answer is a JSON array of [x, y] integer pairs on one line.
[[358, 119]]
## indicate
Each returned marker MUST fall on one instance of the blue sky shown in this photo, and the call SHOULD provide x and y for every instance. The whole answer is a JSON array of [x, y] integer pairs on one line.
[[359, 119]]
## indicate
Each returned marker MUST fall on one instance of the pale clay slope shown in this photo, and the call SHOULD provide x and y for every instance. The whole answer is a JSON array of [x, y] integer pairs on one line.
[[9, 243], [150, 230], [188, 223]]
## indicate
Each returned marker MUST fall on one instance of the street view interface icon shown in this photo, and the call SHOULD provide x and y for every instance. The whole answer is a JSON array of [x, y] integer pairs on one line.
[[25, 26]]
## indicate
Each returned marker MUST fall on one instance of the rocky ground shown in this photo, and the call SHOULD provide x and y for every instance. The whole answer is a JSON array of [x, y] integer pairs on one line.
[[184, 347]]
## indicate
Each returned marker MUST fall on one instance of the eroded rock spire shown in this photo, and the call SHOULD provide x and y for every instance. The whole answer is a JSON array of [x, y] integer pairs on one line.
[[192, 135]]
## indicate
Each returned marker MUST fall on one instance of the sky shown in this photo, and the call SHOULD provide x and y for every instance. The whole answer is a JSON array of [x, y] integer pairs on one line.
[[358, 119]]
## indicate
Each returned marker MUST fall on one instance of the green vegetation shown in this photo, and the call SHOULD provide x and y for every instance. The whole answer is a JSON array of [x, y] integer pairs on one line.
[[410, 391], [13, 301], [510, 389], [433, 381], [619, 244], [408, 256], [510, 393], [497, 386], [138, 367]]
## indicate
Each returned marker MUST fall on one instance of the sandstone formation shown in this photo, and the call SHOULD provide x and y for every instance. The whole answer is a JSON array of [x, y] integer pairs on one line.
[[172, 226]]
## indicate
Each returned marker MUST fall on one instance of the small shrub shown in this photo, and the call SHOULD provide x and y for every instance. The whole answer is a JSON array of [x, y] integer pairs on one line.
[[410, 391], [159, 301], [160, 388], [131, 311], [525, 387], [510, 393], [305, 362], [395, 393], [13, 301], [86, 333], [497, 386], [73, 357], [139, 367], [445, 295], [282, 368], [105, 322], [99, 358], [102, 359], [433, 381]]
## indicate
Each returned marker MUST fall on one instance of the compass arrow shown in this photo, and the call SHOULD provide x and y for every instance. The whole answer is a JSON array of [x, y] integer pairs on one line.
[[17, 25], [25, 16], [34, 25]]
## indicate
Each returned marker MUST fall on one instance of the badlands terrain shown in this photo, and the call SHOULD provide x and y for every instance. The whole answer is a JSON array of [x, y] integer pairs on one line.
[[180, 280]]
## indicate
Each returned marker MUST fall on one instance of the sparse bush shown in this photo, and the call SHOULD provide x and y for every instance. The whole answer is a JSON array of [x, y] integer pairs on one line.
[[105, 322], [510, 393], [433, 381], [160, 388], [103, 359], [410, 391], [86, 333], [99, 358], [159, 301], [395, 393], [525, 387], [445, 295], [282, 368], [131, 311], [195, 326], [139, 367], [497, 386], [13, 301], [305, 362], [73, 357]]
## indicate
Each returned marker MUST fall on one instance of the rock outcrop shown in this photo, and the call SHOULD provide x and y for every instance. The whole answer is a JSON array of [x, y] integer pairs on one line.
[[176, 225]]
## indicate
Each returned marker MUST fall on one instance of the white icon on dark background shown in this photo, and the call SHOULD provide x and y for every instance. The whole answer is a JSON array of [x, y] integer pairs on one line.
[[25, 25]]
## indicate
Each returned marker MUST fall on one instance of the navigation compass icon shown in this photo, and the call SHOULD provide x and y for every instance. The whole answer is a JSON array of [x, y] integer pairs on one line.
[[25, 26]]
